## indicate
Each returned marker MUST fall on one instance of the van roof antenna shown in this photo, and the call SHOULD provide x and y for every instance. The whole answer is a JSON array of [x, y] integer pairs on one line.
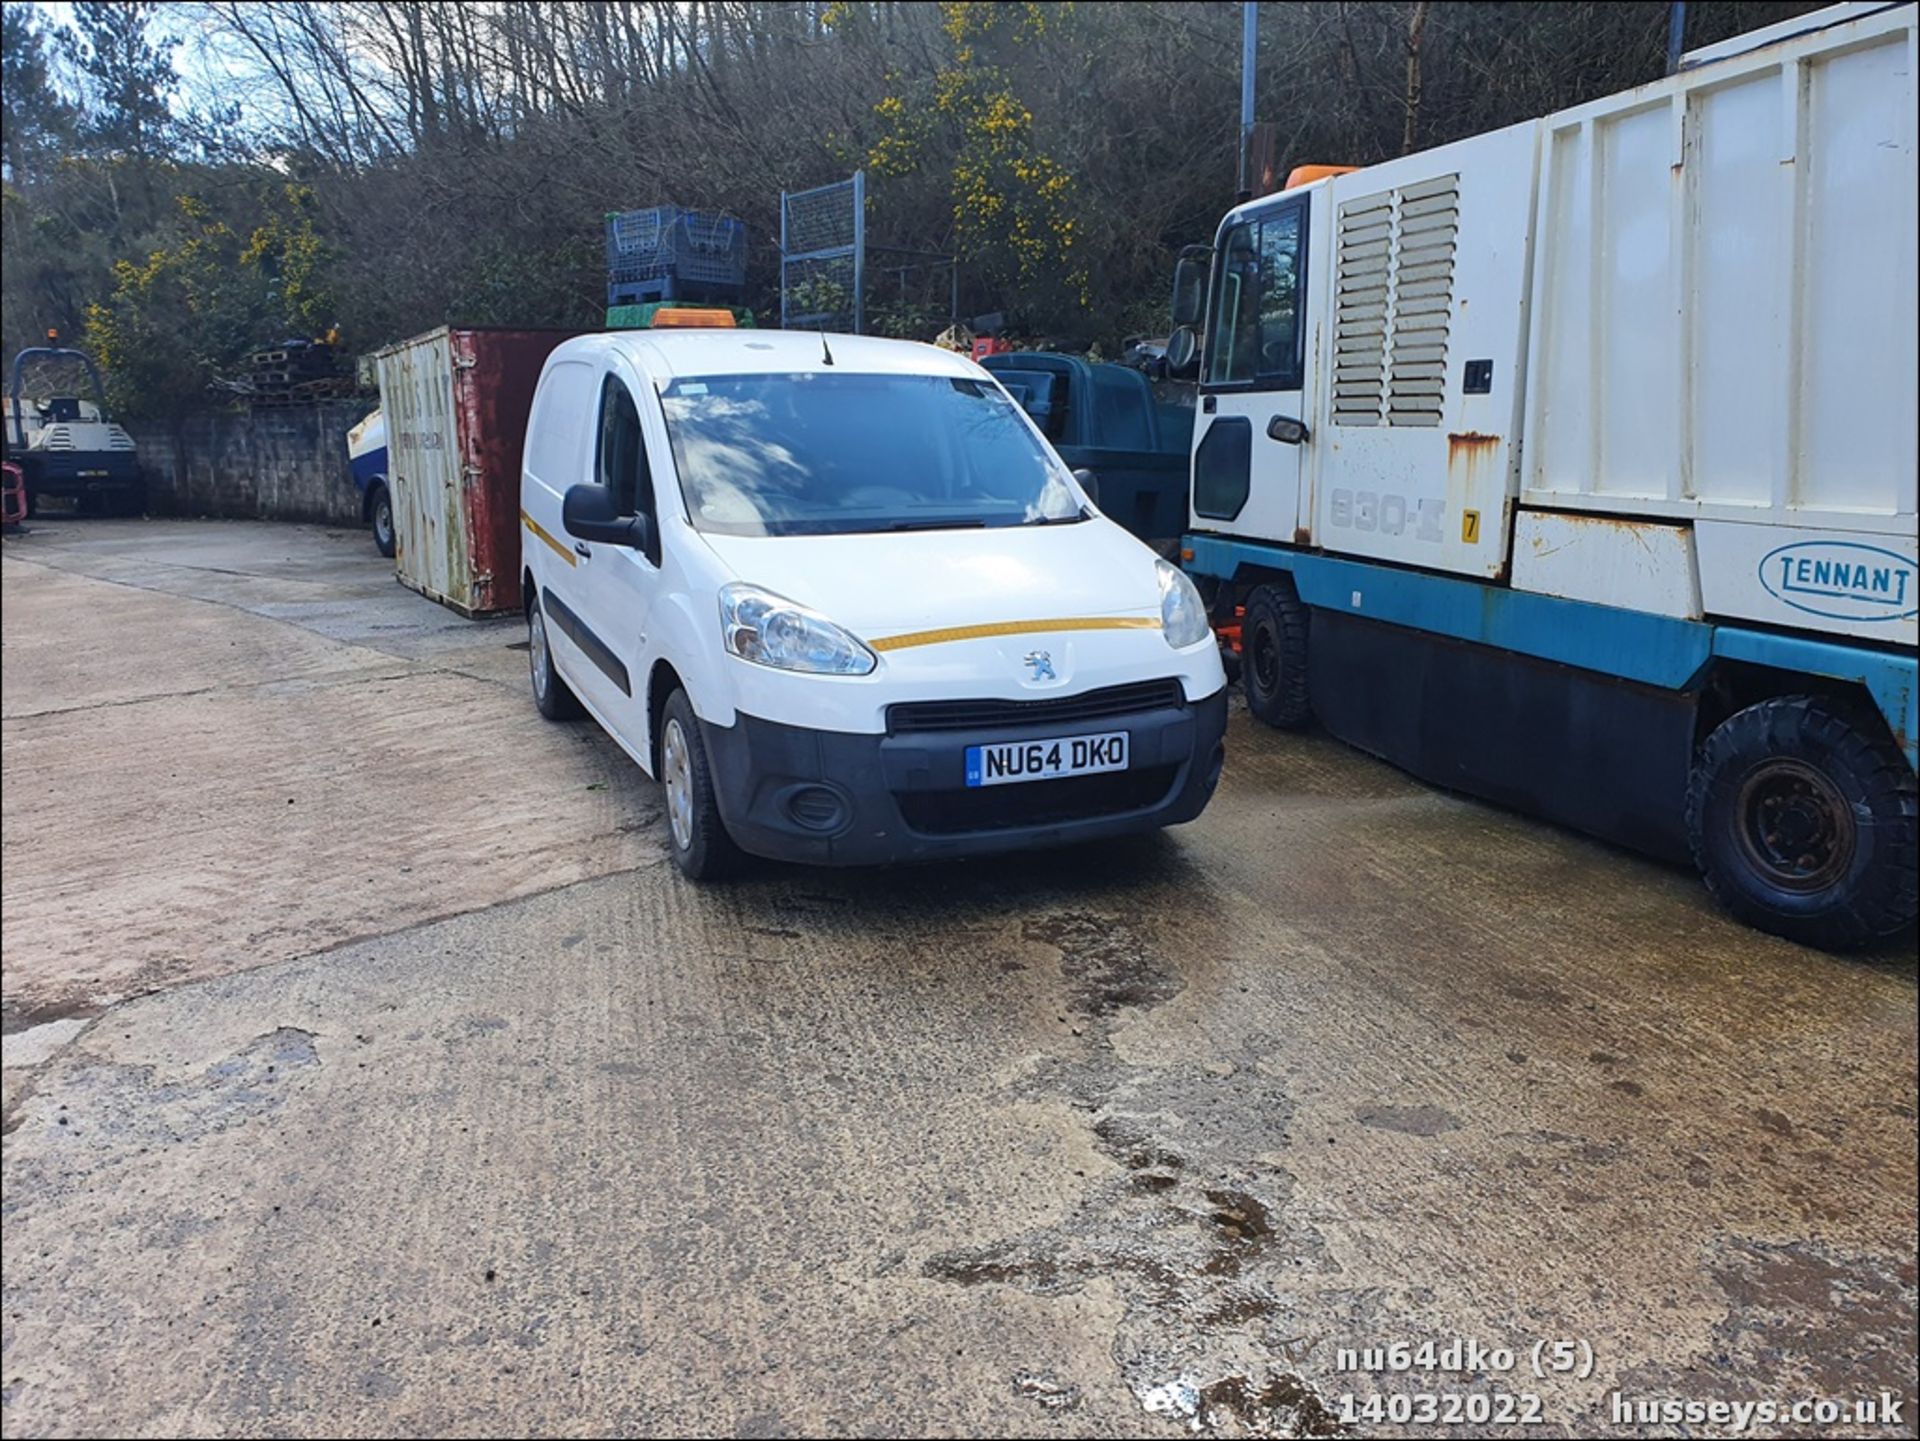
[[826, 356]]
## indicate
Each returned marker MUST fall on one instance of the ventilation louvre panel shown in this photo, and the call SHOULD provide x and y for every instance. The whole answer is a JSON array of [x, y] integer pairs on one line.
[[1394, 302]]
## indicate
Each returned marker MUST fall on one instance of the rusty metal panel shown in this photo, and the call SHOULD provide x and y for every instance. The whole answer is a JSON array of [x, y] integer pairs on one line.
[[1608, 560], [456, 402], [416, 400]]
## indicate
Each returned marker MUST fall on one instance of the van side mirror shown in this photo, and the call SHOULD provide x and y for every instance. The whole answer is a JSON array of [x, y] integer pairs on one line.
[[588, 512], [1090, 483], [1190, 285]]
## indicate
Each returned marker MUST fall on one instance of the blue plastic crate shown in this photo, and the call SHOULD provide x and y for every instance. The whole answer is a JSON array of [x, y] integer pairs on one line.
[[666, 243]]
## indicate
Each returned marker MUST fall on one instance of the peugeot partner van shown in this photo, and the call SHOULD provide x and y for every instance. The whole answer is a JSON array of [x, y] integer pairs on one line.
[[839, 596]]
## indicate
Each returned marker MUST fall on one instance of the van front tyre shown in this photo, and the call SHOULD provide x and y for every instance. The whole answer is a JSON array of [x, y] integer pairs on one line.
[[550, 693], [701, 846], [1273, 649], [1804, 822]]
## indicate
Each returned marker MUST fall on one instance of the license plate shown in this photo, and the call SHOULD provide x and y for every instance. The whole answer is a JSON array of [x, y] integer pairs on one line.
[[1046, 760]]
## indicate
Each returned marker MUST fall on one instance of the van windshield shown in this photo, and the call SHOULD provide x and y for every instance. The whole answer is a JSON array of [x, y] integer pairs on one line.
[[824, 454]]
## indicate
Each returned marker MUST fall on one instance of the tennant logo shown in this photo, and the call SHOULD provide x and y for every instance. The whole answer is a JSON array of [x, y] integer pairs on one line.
[[1841, 580]]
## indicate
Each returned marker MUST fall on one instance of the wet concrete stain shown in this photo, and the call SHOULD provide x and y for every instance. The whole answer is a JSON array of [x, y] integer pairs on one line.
[[1242, 1225], [17, 1015], [1843, 1321], [1007, 1263], [1106, 964], [1408, 1120], [1147, 1215], [1282, 1405], [1802, 1319], [1201, 1243], [1047, 1391]]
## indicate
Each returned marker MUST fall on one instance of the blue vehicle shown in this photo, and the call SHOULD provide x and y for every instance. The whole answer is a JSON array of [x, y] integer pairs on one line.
[[1104, 421], [367, 458]]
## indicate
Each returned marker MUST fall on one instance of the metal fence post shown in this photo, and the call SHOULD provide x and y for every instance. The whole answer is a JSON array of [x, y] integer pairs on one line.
[[859, 250]]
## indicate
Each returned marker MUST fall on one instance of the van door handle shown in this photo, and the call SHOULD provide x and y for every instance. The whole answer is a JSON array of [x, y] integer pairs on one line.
[[583, 550]]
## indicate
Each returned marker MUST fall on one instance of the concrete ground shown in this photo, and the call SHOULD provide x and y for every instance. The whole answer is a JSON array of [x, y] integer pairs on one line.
[[369, 1072]]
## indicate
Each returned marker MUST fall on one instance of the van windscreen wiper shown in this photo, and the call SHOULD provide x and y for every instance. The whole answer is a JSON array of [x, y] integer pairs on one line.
[[958, 522]]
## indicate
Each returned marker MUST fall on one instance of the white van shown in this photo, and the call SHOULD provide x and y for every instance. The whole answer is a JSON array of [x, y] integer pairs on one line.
[[840, 597]]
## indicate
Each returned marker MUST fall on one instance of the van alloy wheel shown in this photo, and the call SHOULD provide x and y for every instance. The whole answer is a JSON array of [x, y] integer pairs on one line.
[[537, 654], [701, 846], [550, 693], [678, 775]]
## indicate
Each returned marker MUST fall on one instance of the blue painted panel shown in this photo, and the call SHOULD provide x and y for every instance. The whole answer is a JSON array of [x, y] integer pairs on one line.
[[1892, 680], [367, 467], [1653, 649]]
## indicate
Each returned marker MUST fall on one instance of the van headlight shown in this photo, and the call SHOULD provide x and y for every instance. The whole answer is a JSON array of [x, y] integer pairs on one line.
[[771, 630], [1183, 615]]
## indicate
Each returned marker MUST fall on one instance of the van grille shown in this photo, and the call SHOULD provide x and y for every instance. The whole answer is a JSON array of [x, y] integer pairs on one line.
[[1035, 803], [976, 715]]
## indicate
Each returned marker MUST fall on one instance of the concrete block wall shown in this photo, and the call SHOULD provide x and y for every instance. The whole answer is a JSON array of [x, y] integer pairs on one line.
[[281, 464]]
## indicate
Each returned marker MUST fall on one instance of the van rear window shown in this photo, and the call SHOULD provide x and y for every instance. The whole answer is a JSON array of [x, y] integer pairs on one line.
[[835, 454]]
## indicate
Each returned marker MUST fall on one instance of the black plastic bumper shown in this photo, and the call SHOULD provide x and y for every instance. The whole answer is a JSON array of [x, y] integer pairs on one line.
[[831, 798]]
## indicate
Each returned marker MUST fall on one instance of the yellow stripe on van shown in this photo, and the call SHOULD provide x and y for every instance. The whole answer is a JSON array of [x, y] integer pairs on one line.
[[560, 550], [1014, 627]]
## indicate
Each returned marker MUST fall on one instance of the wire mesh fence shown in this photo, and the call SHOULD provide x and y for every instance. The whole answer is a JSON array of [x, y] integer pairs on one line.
[[822, 256]]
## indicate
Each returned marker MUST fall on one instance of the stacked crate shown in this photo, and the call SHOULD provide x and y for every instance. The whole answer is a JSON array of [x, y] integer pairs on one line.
[[295, 372], [667, 253]]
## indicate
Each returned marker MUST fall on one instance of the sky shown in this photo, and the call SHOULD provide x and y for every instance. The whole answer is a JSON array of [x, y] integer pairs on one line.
[[200, 67]]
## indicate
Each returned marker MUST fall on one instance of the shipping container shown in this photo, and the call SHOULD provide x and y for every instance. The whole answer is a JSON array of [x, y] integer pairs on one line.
[[455, 403], [1574, 464]]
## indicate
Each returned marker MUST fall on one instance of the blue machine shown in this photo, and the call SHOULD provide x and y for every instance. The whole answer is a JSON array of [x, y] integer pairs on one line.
[[667, 253], [367, 461]]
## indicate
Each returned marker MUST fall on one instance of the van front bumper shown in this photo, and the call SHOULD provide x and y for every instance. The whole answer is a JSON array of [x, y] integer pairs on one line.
[[841, 799]]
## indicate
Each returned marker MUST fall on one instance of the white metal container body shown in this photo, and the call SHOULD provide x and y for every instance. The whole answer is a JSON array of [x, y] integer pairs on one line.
[[1415, 269], [424, 466], [1425, 274], [1724, 326]]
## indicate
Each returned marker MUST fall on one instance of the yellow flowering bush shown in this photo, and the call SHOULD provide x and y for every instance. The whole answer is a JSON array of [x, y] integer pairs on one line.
[[1013, 203]]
